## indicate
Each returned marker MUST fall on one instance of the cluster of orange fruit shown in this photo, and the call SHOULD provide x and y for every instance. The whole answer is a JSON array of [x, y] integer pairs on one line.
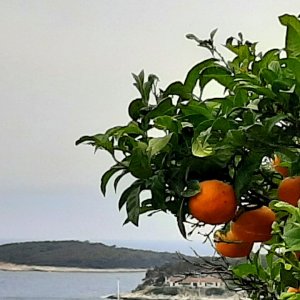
[[293, 290], [289, 188], [216, 204]]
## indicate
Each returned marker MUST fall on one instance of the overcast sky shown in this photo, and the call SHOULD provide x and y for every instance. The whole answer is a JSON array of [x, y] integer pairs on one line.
[[66, 71]]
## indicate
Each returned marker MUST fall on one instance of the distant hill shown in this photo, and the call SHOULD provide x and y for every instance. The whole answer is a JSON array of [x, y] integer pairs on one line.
[[82, 255]]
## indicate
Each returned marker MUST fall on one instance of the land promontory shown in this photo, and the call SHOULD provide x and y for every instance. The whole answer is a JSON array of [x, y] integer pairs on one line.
[[77, 254]]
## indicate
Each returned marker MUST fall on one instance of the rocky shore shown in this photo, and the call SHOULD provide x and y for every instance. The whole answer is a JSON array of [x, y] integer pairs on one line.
[[182, 293]]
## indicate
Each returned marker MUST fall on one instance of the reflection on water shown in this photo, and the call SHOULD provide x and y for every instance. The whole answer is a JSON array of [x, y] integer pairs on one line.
[[58, 285]]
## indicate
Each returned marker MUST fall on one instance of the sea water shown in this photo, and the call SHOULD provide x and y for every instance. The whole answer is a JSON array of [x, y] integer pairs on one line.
[[65, 285]]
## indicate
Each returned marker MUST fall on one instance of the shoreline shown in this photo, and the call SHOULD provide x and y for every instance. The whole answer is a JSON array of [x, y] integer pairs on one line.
[[16, 267]]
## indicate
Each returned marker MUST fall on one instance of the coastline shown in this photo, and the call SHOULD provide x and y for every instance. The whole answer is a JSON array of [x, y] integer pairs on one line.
[[16, 267]]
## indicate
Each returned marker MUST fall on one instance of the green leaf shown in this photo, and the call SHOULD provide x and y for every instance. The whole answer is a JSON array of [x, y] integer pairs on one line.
[[282, 85], [273, 121], [192, 189], [270, 260], [218, 73], [287, 279], [132, 128], [213, 33], [99, 141], [249, 164], [177, 89], [204, 127], [235, 138], [139, 165], [133, 188], [244, 52], [139, 81], [196, 108], [268, 75], [193, 75], [292, 237], [289, 296], [244, 270], [201, 148], [165, 107], [275, 67], [157, 187], [167, 123], [247, 78], [292, 42], [126, 143], [284, 206], [249, 117], [240, 98], [295, 166], [113, 131], [269, 56], [294, 65], [144, 87], [118, 178], [133, 205], [181, 219], [107, 175], [148, 86], [156, 145], [130, 197], [258, 90], [222, 124], [134, 109]]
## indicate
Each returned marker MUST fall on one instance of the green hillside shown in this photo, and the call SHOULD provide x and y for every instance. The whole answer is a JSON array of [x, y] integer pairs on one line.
[[82, 254]]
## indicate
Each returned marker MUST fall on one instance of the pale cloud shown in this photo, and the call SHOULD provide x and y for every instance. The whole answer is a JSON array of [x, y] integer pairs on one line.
[[66, 71]]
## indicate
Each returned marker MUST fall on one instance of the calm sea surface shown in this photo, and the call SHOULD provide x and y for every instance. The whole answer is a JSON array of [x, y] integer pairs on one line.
[[59, 286]]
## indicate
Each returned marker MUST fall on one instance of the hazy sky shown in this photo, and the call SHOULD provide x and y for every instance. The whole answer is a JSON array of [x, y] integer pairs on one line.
[[66, 71]]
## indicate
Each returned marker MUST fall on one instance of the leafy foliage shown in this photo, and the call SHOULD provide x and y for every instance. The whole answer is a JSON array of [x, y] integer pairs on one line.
[[230, 138]]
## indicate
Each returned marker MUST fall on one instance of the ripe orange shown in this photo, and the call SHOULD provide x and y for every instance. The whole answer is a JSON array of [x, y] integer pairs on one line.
[[284, 171], [228, 245], [289, 190], [293, 290], [214, 204], [254, 225]]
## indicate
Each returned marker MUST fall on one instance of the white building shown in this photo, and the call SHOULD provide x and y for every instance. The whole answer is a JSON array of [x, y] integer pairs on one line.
[[195, 282]]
